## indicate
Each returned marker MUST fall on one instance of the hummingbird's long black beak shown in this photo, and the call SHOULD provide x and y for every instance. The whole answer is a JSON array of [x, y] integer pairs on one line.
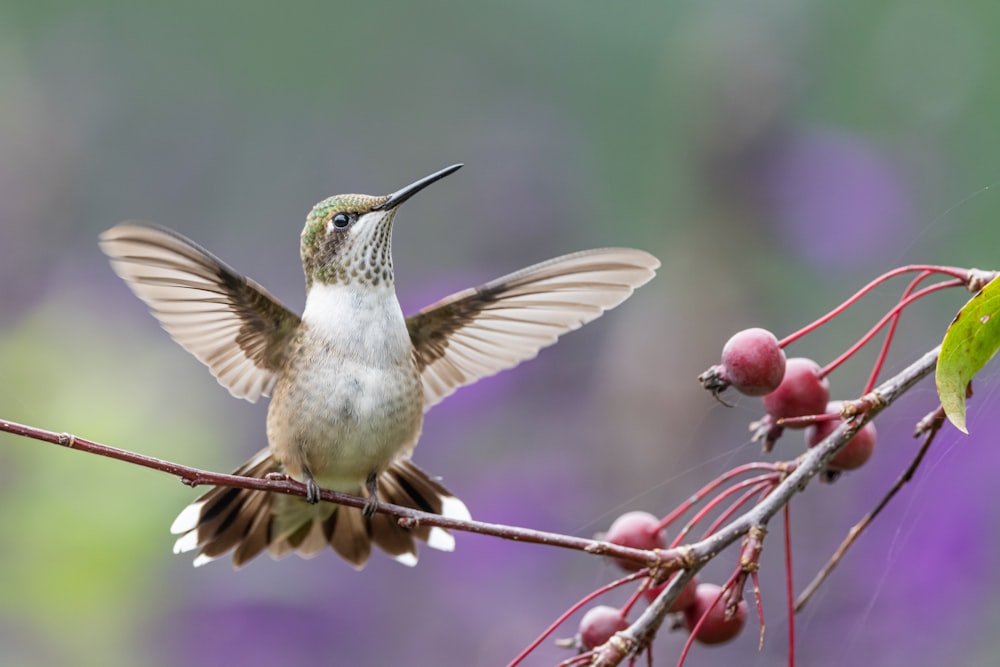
[[399, 196]]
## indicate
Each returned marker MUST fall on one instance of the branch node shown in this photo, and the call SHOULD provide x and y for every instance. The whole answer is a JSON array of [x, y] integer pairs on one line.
[[687, 556], [785, 468], [66, 440], [932, 421], [977, 279], [613, 651], [766, 431], [873, 400]]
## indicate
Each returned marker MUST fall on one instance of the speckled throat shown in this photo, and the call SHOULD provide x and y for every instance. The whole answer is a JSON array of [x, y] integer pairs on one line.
[[360, 252], [347, 239]]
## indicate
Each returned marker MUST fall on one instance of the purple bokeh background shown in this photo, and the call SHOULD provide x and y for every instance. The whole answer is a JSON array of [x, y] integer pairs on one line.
[[775, 157]]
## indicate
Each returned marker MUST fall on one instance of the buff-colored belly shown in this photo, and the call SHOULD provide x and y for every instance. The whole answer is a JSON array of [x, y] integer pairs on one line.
[[341, 421]]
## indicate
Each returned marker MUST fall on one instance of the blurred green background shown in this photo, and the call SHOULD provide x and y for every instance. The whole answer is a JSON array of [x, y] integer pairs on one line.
[[774, 154]]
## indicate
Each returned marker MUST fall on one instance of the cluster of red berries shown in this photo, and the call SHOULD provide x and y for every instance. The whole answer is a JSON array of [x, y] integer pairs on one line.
[[697, 601], [754, 364], [796, 395]]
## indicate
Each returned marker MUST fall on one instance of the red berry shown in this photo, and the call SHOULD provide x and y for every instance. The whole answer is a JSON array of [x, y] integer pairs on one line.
[[856, 453], [639, 530], [716, 629], [753, 363], [599, 624], [683, 601], [802, 392]]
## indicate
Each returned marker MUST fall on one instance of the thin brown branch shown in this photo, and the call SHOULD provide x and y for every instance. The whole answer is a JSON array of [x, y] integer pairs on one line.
[[666, 558]]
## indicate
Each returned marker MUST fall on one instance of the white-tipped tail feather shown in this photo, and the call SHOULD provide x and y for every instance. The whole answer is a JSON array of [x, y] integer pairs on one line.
[[453, 508], [186, 542], [186, 521], [247, 522], [407, 559], [441, 540]]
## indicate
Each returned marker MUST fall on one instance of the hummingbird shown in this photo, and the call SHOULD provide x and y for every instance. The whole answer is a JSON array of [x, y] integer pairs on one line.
[[351, 378]]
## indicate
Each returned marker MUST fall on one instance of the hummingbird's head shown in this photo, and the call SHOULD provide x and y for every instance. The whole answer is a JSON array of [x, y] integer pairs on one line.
[[348, 238]]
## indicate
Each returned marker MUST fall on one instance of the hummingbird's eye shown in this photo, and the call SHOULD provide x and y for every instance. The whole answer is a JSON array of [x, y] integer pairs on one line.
[[341, 221]]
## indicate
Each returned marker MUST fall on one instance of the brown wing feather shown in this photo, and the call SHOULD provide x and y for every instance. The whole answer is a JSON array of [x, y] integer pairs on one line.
[[480, 331], [229, 322]]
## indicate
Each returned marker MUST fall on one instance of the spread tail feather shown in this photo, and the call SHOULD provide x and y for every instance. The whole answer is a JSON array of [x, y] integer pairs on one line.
[[247, 522]]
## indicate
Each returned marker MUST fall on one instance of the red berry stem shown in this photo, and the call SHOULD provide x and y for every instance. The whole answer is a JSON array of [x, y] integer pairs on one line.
[[763, 488], [770, 479], [808, 420], [884, 352], [701, 621], [898, 308], [714, 484], [572, 610], [636, 596], [760, 608], [790, 587], [964, 275], [579, 659]]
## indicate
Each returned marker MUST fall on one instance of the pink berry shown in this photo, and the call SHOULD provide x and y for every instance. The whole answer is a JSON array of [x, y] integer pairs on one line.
[[683, 601], [802, 392], [639, 530], [856, 453], [716, 628], [753, 363], [599, 624]]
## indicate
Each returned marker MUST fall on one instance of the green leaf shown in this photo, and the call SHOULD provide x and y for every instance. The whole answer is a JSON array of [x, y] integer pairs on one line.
[[972, 339]]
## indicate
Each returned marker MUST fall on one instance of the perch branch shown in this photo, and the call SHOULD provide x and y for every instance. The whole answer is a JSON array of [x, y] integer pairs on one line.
[[405, 515]]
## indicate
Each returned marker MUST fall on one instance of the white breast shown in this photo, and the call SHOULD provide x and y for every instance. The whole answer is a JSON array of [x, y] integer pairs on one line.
[[356, 400], [363, 321]]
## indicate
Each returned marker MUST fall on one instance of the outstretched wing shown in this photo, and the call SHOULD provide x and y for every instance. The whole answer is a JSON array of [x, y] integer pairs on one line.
[[481, 331], [229, 322]]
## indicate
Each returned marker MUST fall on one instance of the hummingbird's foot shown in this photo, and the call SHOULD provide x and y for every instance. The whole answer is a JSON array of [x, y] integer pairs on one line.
[[371, 504], [312, 491]]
